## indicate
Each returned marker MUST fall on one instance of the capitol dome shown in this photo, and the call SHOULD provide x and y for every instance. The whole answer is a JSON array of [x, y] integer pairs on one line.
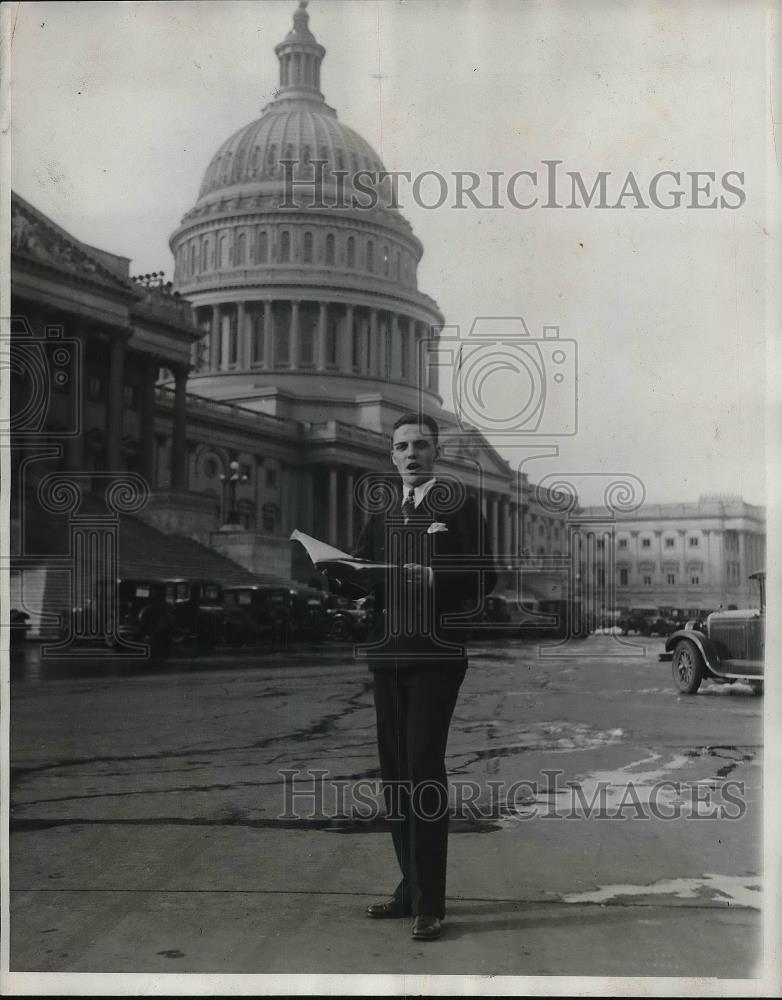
[[294, 130], [302, 271]]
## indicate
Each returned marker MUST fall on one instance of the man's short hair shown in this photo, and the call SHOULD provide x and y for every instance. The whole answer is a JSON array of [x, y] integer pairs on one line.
[[420, 420]]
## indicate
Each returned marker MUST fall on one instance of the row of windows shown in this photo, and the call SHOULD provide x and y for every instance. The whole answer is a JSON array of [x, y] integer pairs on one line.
[[647, 579], [693, 542], [203, 254]]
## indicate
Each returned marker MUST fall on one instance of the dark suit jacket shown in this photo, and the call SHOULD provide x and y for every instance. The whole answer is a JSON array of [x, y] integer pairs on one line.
[[457, 585]]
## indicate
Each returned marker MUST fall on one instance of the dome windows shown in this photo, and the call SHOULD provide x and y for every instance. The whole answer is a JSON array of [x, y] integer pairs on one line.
[[241, 250], [386, 259], [271, 158], [330, 248], [224, 252], [370, 255], [285, 246], [351, 251], [262, 247], [205, 254], [307, 248]]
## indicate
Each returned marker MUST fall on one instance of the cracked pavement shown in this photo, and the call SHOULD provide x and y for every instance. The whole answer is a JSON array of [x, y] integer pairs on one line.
[[149, 830]]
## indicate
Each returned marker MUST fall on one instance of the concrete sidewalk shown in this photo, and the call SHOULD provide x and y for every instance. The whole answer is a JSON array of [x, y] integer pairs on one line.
[[141, 898]]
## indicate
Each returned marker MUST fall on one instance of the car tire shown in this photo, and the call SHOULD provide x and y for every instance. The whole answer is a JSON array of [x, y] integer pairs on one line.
[[687, 667], [757, 688], [340, 629]]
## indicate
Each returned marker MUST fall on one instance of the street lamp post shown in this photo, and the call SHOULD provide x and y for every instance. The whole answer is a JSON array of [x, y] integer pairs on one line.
[[230, 482]]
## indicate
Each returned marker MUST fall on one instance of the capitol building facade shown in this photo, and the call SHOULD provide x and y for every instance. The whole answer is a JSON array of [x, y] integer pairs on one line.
[[312, 316], [256, 392]]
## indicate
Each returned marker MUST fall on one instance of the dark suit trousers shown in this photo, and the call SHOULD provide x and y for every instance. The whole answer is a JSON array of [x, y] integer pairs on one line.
[[414, 706]]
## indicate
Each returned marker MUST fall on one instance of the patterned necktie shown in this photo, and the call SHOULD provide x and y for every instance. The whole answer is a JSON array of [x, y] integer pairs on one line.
[[408, 505]]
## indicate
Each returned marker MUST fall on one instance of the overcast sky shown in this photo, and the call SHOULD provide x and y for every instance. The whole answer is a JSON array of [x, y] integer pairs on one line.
[[118, 109]]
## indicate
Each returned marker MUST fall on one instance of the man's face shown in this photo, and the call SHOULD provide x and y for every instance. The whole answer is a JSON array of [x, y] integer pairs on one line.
[[414, 453]]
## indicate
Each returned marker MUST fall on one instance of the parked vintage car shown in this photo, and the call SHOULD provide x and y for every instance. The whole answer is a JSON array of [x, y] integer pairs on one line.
[[729, 648], [646, 621], [197, 606], [255, 612], [159, 612], [144, 615], [349, 619], [308, 616]]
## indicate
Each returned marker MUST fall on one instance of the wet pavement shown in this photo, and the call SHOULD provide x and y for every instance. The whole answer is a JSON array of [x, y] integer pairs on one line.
[[604, 825]]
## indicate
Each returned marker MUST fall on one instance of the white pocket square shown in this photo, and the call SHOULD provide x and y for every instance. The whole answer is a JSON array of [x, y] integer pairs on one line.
[[436, 526]]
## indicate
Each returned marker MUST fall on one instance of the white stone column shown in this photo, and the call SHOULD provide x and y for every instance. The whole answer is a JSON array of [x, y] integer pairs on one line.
[[345, 343], [323, 317], [396, 349], [214, 340], [350, 505], [268, 334], [332, 501], [242, 340], [115, 404], [494, 523], [374, 365], [293, 338]]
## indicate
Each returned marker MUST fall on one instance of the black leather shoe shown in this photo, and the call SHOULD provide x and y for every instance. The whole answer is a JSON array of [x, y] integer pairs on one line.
[[426, 928], [387, 909]]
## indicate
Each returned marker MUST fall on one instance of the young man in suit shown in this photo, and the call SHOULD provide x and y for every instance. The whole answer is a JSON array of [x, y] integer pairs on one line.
[[427, 534]]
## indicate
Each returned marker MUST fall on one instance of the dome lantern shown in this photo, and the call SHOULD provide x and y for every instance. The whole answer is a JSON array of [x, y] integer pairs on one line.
[[300, 57]]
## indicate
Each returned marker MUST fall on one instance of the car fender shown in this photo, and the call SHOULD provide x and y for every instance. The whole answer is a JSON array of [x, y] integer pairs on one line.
[[701, 642]]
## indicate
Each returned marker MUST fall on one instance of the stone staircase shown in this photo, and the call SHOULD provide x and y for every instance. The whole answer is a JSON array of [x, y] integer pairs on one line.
[[40, 583]]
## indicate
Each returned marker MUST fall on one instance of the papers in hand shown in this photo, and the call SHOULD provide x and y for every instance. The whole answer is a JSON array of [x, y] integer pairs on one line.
[[346, 575]]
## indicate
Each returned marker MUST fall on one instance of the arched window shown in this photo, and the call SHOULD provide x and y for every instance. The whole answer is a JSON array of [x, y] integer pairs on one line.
[[262, 249], [285, 245], [227, 167], [241, 250], [306, 156], [351, 251], [398, 265], [254, 160], [192, 258], [340, 160], [385, 260], [224, 252], [330, 248], [271, 158], [370, 255], [308, 248]]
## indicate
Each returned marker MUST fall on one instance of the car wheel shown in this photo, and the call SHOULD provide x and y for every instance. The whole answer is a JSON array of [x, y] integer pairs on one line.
[[757, 688], [340, 629], [687, 667]]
